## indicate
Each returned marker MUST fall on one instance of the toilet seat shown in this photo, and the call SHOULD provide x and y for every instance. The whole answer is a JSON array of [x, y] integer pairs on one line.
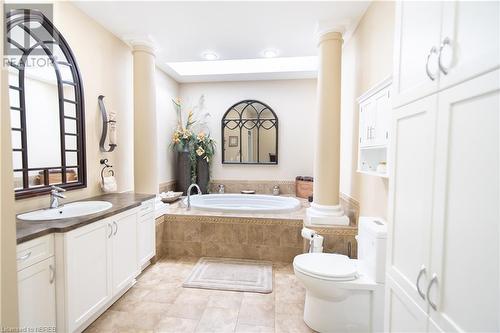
[[326, 266]]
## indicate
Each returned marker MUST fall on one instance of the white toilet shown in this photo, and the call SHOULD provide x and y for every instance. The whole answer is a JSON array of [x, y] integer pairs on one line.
[[342, 294]]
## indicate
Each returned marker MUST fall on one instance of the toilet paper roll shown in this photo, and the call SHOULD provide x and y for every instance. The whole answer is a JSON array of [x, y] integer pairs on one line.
[[308, 233]]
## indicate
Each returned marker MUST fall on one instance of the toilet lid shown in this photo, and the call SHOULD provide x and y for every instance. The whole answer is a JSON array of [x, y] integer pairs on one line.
[[327, 265]]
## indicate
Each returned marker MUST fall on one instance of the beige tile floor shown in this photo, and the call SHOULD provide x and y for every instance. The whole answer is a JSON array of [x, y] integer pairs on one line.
[[159, 303]]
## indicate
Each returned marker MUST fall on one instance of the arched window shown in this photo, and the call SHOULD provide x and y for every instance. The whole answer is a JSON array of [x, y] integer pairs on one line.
[[250, 134]]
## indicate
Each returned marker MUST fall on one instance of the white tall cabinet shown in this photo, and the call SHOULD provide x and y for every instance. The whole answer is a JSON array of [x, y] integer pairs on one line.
[[444, 253]]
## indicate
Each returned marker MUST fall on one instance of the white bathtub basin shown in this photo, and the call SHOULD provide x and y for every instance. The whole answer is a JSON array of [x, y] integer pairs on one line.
[[248, 203], [74, 209]]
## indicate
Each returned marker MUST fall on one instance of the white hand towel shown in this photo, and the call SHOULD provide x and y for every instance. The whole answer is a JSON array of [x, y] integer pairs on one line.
[[109, 184]]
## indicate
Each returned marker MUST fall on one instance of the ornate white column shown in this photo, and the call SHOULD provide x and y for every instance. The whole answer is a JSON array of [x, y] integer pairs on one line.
[[145, 129], [326, 207]]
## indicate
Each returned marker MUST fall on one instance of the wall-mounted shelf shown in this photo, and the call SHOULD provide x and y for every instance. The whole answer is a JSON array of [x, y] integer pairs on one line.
[[374, 129]]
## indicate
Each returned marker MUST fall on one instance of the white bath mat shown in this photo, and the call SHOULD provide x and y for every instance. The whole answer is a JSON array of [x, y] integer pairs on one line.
[[232, 274]]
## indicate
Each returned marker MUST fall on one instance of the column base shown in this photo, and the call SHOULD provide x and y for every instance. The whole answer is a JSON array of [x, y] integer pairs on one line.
[[326, 215]]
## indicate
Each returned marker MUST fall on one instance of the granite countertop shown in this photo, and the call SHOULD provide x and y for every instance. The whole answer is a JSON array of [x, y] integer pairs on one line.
[[27, 230]]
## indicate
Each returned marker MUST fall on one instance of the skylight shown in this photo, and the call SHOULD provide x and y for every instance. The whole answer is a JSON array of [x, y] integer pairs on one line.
[[246, 66]]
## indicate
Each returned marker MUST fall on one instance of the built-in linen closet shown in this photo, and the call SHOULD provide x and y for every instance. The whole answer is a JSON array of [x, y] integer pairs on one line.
[[443, 256]]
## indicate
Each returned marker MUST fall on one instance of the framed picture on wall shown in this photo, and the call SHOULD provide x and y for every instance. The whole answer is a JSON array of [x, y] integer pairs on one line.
[[233, 141]]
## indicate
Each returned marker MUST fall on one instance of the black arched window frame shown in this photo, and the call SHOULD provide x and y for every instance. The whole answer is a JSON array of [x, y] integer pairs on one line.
[[249, 123]]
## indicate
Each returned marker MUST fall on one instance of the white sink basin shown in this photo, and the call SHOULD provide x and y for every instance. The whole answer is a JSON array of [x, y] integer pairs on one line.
[[74, 209]]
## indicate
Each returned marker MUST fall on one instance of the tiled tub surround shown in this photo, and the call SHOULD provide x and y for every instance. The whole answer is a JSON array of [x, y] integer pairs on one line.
[[274, 237]]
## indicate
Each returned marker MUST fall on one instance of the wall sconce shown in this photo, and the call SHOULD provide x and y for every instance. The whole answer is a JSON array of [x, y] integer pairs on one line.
[[108, 125]]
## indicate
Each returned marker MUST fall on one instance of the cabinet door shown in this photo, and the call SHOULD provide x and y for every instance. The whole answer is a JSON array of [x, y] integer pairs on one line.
[[383, 113], [125, 263], [363, 126], [466, 255], [37, 295], [88, 262], [410, 210], [401, 313], [418, 30], [146, 238], [473, 31]]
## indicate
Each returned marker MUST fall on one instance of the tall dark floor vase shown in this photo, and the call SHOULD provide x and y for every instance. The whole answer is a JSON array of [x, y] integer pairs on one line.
[[202, 174], [183, 172]]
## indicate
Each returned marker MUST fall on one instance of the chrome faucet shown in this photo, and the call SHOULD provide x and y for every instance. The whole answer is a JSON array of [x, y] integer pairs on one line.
[[55, 195], [221, 189], [189, 194]]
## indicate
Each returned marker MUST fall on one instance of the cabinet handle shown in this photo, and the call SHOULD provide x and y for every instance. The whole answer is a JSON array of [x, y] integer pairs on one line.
[[52, 274], [110, 230], [24, 257], [417, 284], [443, 68], [116, 228], [429, 74], [431, 303]]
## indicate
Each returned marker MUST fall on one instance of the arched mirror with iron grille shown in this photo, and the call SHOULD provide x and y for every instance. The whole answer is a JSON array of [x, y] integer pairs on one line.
[[250, 134], [46, 106]]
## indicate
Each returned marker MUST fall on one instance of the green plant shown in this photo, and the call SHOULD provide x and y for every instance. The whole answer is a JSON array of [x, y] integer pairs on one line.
[[204, 146]]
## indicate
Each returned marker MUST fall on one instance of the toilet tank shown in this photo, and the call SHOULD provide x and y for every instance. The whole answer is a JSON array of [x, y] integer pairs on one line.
[[372, 240]]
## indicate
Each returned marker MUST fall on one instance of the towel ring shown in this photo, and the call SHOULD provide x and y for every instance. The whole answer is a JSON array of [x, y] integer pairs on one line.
[[111, 172]]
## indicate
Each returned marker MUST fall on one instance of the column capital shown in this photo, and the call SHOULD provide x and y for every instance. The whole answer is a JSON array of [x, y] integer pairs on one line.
[[326, 30], [141, 44]]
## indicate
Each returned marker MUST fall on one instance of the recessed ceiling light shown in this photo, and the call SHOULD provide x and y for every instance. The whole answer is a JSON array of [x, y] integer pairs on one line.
[[270, 53], [210, 55]]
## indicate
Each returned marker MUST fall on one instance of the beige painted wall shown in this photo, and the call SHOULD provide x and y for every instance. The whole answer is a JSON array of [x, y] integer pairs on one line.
[[366, 60], [294, 102], [166, 90], [8, 276], [105, 64]]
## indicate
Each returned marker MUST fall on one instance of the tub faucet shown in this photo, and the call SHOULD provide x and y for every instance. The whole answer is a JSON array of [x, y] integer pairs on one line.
[[55, 195], [189, 194], [221, 189]]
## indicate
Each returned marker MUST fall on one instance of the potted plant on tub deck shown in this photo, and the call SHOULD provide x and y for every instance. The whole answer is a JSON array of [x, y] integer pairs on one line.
[[194, 148], [205, 150]]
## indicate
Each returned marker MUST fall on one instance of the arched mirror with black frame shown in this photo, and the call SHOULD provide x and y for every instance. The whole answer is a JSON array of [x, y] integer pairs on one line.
[[46, 106], [250, 134]]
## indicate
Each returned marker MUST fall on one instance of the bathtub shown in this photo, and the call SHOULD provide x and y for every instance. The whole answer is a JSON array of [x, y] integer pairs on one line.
[[248, 203]]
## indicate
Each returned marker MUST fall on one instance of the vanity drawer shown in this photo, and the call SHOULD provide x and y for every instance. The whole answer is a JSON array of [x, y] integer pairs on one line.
[[145, 216], [34, 251], [147, 207]]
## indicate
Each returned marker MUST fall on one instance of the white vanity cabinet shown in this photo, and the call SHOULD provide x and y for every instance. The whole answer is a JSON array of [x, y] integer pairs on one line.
[[36, 283], [443, 258], [146, 233], [96, 264]]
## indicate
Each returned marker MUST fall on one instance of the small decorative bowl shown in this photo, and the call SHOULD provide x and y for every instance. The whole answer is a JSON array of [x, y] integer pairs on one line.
[[171, 198]]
